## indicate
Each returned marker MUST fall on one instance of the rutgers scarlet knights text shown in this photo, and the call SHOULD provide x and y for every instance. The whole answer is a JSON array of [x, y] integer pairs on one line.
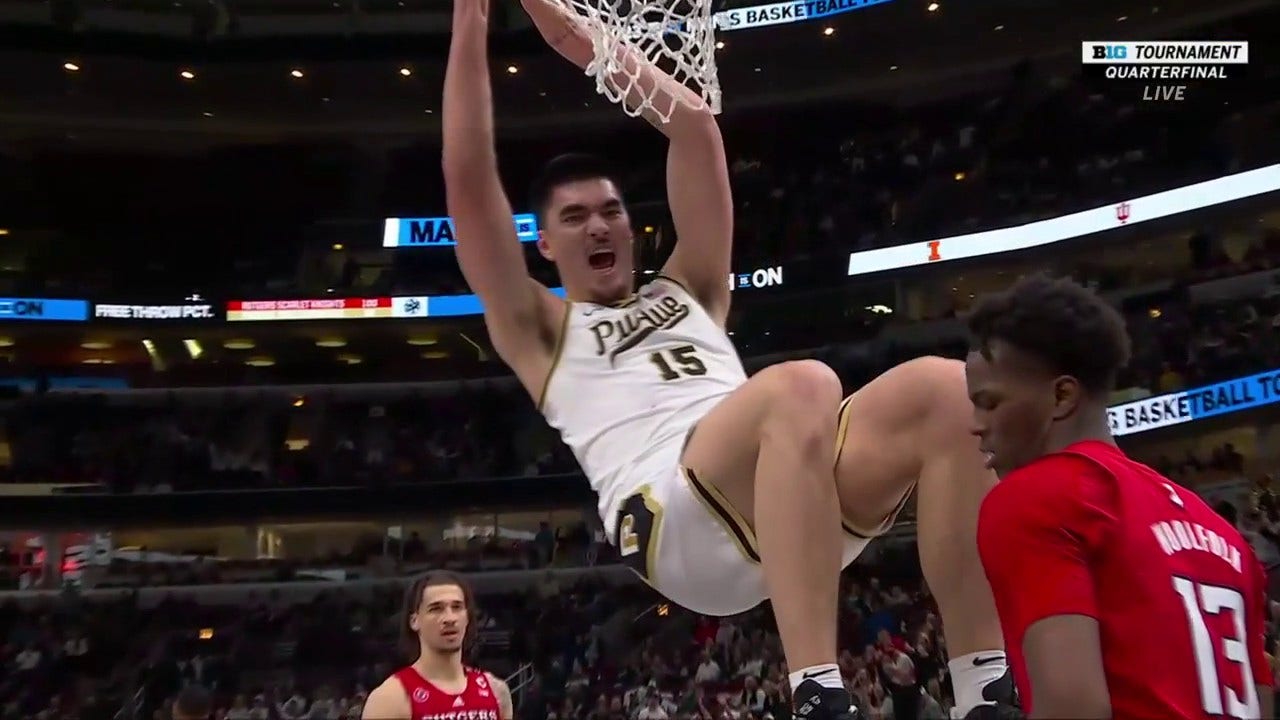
[[427, 702]]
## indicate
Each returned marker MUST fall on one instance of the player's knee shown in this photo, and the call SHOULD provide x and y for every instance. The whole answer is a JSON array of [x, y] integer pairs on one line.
[[948, 412], [803, 396], [937, 385], [804, 383]]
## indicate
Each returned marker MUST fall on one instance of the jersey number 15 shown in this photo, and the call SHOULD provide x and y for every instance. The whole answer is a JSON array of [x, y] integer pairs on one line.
[[678, 362], [1200, 600]]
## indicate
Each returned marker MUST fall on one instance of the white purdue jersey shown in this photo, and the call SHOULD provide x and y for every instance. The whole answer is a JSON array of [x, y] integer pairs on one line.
[[631, 380]]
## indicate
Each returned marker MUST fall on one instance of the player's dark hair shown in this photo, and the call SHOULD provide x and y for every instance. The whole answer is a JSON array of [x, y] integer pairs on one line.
[[413, 600], [193, 703], [1063, 324], [562, 169]]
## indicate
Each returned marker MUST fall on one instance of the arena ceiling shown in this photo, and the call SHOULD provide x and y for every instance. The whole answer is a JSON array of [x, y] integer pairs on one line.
[[133, 71]]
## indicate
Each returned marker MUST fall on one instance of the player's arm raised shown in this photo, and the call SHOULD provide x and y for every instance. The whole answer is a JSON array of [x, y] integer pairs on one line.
[[488, 251], [506, 708], [698, 191], [387, 702]]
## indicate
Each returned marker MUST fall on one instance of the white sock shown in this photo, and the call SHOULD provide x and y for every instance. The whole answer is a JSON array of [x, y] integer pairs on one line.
[[828, 676], [970, 674]]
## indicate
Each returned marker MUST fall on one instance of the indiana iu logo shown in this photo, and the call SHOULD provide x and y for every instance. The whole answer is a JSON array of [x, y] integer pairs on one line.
[[1122, 212], [420, 695]]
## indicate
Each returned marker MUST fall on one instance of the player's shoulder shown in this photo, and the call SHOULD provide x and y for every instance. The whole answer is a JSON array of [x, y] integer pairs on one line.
[[389, 700], [1055, 477]]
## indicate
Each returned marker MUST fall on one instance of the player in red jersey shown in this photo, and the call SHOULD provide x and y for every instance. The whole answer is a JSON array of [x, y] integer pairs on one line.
[[1121, 595], [437, 686]]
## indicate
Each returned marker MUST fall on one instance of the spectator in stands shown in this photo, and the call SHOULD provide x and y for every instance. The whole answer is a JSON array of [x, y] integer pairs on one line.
[[652, 709], [900, 681], [193, 703]]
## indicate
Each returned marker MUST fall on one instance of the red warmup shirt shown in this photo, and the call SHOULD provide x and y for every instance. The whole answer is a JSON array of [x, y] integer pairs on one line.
[[1178, 594], [427, 702]]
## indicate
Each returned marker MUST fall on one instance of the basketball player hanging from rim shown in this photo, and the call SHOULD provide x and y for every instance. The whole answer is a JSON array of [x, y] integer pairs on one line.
[[721, 491]]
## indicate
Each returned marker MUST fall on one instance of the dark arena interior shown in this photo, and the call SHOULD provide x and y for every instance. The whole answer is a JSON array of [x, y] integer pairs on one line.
[[247, 394]]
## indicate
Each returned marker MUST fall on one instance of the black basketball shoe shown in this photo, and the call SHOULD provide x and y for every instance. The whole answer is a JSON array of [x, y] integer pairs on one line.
[[812, 701], [1004, 693]]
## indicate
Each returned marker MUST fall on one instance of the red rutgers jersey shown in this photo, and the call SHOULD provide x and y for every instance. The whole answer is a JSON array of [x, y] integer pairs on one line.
[[428, 702], [1177, 592]]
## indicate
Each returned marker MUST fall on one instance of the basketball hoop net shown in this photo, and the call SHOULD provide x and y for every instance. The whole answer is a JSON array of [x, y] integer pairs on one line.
[[675, 36]]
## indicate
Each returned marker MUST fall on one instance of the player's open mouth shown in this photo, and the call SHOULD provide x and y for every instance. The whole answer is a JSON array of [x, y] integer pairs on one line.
[[602, 260]]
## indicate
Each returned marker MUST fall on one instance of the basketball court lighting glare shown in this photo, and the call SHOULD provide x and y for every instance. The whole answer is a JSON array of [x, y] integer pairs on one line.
[[187, 75], [70, 67], [828, 31], [405, 72], [933, 7], [512, 69], [296, 73]]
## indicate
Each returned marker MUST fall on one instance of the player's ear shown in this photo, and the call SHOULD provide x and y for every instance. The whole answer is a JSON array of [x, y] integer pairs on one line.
[[544, 247], [413, 622], [1067, 395]]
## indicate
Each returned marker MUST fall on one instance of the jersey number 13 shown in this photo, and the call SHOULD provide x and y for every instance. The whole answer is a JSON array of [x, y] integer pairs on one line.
[[1200, 600]]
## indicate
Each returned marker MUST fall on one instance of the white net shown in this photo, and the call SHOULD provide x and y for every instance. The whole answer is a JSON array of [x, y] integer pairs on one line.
[[675, 36]]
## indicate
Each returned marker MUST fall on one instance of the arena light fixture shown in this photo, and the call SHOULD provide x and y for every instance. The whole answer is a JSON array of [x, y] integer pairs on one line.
[[207, 114], [96, 345], [296, 73], [719, 44], [4, 231], [260, 361], [70, 67], [933, 7], [422, 341], [434, 355], [331, 342], [6, 342], [998, 28], [350, 359], [187, 75], [238, 344], [512, 69], [1122, 18], [338, 246], [405, 72], [828, 31], [893, 68]]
